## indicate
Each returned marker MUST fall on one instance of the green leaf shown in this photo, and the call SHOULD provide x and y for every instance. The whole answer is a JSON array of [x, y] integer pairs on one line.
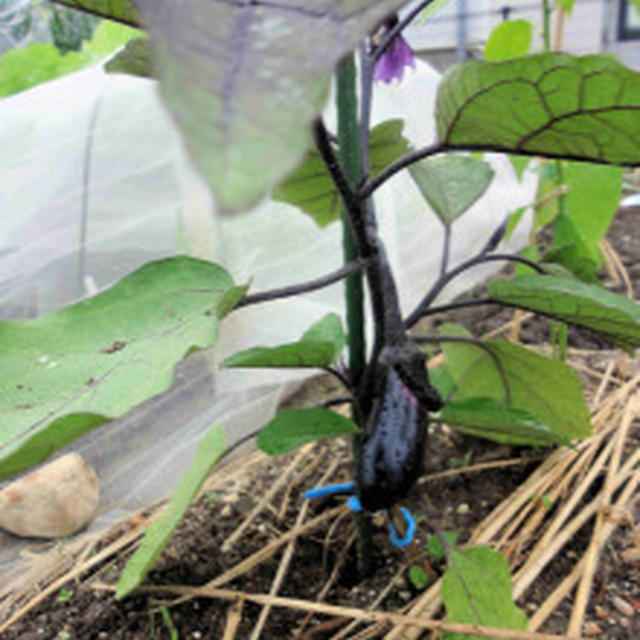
[[572, 258], [25, 67], [451, 183], [70, 371], [574, 302], [549, 104], [547, 195], [418, 577], [134, 59], [245, 81], [531, 252], [108, 37], [512, 375], [512, 223], [157, 536], [119, 10], [311, 188], [486, 418], [510, 39], [430, 10], [70, 28], [320, 346], [519, 164], [442, 380], [434, 546], [292, 428], [592, 198], [567, 5], [467, 598]]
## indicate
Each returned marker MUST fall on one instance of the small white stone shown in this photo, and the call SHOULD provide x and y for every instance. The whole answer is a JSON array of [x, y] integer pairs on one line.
[[53, 501], [622, 606], [463, 509]]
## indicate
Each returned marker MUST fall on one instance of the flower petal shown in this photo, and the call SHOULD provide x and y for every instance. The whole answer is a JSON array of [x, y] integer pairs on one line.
[[392, 63]]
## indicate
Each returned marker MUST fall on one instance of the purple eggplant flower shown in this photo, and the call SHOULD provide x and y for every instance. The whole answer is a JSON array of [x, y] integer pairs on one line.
[[393, 61]]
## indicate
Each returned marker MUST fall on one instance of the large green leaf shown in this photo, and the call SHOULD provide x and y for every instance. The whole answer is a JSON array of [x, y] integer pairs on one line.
[[512, 375], [451, 183], [311, 188], [245, 80], [134, 59], [486, 418], [292, 428], [25, 67], [476, 589], [119, 10], [430, 10], [510, 39], [552, 104], [319, 347], [72, 370], [157, 536], [592, 198], [574, 302]]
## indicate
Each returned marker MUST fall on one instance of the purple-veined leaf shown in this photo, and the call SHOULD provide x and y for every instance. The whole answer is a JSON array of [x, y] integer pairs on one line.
[[553, 104], [245, 80], [574, 302]]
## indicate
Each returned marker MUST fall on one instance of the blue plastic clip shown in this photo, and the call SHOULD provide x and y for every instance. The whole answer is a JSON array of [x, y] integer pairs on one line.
[[330, 489], [354, 504], [409, 533]]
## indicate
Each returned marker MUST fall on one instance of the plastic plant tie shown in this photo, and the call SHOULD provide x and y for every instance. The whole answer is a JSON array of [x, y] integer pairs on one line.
[[410, 529], [354, 504], [329, 490]]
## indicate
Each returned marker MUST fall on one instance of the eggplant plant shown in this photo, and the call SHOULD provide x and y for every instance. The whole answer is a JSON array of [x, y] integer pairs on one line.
[[247, 89]]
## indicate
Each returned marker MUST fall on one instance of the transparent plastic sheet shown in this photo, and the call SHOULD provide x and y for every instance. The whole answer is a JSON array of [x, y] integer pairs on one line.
[[95, 183]]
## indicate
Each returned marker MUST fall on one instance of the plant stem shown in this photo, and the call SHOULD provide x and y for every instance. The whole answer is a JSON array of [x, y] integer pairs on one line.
[[461, 304], [348, 152], [304, 287], [367, 189], [444, 263], [546, 24], [442, 282]]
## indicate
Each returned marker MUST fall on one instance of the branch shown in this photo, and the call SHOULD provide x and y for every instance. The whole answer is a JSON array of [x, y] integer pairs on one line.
[[342, 377], [384, 297], [371, 185], [440, 284], [303, 287], [443, 147], [462, 304], [323, 143], [446, 248]]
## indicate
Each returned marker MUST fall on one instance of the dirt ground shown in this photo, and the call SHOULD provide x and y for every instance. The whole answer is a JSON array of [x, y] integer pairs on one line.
[[326, 555]]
